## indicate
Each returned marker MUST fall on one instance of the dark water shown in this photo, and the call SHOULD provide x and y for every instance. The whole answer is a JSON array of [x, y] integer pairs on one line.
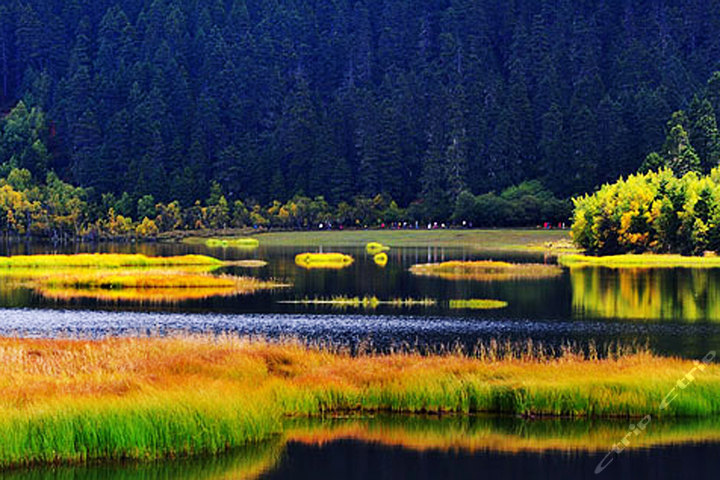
[[674, 311]]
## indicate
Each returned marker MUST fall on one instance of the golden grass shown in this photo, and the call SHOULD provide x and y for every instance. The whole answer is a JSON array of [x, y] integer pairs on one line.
[[640, 261], [323, 260], [363, 302], [104, 260], [489, 433], [381, 259], [76, 400], [477, 304], [485, 270], [374, 248], [246, 263]]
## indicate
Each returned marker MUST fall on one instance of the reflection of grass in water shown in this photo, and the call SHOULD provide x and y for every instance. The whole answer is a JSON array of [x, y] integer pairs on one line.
[[645, 294], [640, 261], [477, 304], [497, 434], [104, 260], [363, 302], [499, 239], [246, 462], [323, 260], [75, 400], [485, 270]]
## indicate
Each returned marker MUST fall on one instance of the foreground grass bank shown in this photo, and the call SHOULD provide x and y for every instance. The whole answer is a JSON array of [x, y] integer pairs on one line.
[[72, 400]]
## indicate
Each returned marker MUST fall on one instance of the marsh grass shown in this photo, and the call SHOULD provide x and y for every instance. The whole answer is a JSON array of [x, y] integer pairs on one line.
[[477, 304], [145, 398], [485, 270], [367, 302], [136, 278], [104, 260], [640, 261], [375, 248], [244, 243], [323, 260]]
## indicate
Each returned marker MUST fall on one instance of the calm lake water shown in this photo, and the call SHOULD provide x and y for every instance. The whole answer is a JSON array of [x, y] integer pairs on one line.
[[674, 311]]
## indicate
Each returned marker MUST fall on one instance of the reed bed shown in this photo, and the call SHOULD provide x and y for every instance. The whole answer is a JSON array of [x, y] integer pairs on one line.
[[485, 270], [368, 302], [640, 261], [323, 260], [105, 260], [477, 304], [144, 398]]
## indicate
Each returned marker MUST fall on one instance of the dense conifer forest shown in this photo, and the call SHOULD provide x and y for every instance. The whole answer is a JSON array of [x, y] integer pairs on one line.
[[416, 108]]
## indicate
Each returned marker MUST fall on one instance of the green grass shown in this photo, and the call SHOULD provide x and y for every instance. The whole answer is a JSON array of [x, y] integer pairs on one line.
[[150, 398], [477, 304], [104, 260], [496, 240], [640, 261]]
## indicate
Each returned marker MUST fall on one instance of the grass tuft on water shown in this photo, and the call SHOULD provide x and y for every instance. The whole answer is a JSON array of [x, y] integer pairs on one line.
[[105, 260], [244, 242], [374, 248], [364, 302]]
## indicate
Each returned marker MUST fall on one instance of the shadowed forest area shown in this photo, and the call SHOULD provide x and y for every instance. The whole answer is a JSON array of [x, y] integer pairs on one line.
[[141, 103]]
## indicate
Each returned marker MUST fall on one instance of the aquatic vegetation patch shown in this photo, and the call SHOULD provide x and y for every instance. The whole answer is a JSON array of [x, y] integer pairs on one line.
[[363, 302], [477, 304], [323, 260], [136, 278], [244, 242], [144, 398], [374, 248], [478, 433], [640, 261], [485, 270], [381, 259], [153, 286], [245, 263], [104, 260]]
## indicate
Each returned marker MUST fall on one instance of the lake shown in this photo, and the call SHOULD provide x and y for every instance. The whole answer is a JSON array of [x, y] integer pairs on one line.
[[674, 311]]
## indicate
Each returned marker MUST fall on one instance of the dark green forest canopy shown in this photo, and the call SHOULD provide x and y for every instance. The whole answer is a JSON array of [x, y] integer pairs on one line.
[[412, 99]]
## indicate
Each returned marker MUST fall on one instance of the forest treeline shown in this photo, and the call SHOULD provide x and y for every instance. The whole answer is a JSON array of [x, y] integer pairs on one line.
[[421, 103]]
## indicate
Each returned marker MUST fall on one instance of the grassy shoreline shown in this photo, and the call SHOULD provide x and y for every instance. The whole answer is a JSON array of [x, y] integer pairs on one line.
[[148, 398], [639, 261]]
